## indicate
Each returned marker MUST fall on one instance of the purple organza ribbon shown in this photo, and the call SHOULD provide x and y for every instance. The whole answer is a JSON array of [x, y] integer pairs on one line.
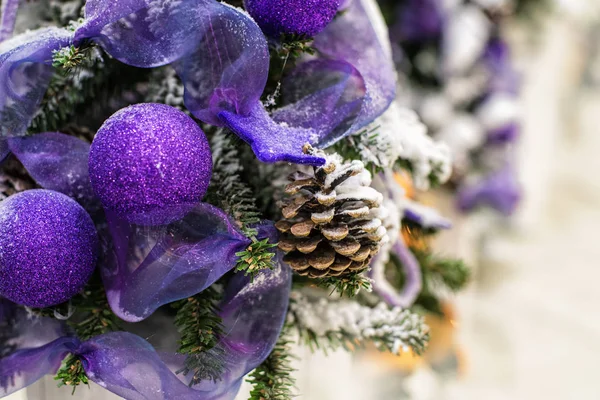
[[503, 77], [253, 313], [222, 57], [57, 162], [149, 266], [412, 271], [500, 190], [8, 17], [25, 72]]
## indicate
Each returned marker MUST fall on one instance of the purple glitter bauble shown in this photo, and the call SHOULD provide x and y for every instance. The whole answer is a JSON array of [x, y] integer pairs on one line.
[[48, 248], [150, 164], [296, 17]]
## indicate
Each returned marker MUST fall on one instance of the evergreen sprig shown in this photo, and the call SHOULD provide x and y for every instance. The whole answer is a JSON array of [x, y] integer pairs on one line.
[[325, 324], [229, 191], [89, 315], [363, 146], [70, 57], [453, 274], [71, 373], [348, 285], [201, 329], [273, 380], [256, 257]]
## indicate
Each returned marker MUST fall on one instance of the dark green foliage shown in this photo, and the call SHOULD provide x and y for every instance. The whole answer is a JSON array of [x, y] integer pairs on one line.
[[272, 380], [360, 144], [71, 57], [284, 55], [348, 285], [532, 10], [71, 373], [256, 257], [91, 316], [231, 193], [433, 177], [87, 86], [201, 328], [451, 274]]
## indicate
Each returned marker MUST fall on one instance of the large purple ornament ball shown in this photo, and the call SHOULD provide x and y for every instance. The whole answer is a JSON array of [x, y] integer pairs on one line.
[[48, 248], [150, 164], [295, 17]]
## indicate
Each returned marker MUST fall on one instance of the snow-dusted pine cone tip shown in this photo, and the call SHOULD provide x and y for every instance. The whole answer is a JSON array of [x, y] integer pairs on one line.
[[331, 222]]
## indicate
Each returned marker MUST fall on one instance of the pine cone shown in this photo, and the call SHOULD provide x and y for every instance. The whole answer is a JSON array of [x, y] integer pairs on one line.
[[332, 221], [14, 178]]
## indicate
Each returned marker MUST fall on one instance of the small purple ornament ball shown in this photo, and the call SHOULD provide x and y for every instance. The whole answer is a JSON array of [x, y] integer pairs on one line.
[[150, 164], [48, 248], [295, 17]]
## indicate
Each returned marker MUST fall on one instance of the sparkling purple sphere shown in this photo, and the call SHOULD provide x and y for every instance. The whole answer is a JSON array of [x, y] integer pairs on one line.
[[150, 164], [48, 248], [297, 17]]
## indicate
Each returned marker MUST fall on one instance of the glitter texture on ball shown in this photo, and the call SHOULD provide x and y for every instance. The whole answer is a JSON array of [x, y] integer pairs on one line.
[[150, 164], [48, 248], [294, 17]]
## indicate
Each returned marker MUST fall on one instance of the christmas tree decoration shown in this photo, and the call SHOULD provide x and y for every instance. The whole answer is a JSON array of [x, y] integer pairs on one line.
[[346, 323], [210, 251], [48, 248], [304, 18], [460, 80], [150, 164], [332, 223]]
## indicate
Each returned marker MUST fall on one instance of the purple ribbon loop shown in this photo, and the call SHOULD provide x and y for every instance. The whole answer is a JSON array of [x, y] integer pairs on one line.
[[149, 266], [25, 72], [35, 347], [412, 271], [499, 190], [8, 17], [253, 314], [57, 162]]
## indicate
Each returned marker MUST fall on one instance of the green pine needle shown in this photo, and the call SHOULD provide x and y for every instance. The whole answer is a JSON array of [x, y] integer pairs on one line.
[[348, 285], [88, 315], [71, 373], [255, 258], [70, 57], [452, 274], [229, 191], [363, 146], [201, 328], [273, 380]]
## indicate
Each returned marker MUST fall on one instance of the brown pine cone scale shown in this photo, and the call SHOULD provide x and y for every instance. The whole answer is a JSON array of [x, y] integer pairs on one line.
[[331, 222]]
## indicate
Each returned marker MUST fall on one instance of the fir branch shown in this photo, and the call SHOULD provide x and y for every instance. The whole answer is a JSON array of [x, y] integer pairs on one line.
[[89, 315], [71, 373], [255, 258], [349, 285], [325, 324], [82, 81], [201, 328], [234, 196], [166, 88], [273, 380], [70, 57], [94, 316], [366, 146], [450, 273]]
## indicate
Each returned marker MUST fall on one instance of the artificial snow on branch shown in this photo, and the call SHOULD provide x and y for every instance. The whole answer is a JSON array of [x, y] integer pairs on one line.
[[325, 322]]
